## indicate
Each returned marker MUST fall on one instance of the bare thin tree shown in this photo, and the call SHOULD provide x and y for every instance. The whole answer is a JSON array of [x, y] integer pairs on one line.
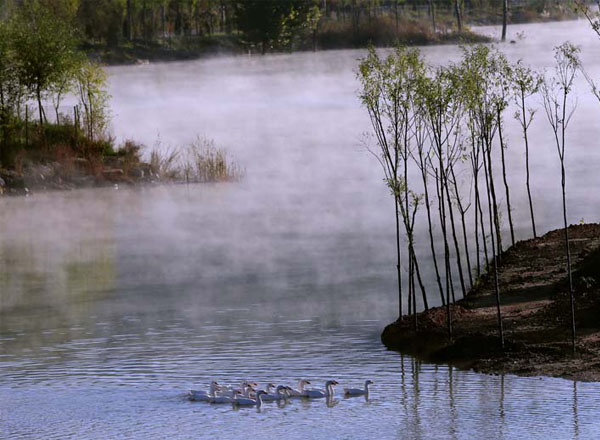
[[525, 84], [559, 110]]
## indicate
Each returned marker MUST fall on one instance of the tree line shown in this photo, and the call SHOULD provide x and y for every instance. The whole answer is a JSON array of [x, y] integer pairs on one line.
[[261, 24], [446, 125]]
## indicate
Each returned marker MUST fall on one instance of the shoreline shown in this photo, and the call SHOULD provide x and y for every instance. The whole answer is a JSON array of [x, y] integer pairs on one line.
[[534, 303], [232, 45], [140, 54]]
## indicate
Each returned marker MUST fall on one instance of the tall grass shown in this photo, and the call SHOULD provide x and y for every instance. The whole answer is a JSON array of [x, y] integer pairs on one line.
[[201, 161]]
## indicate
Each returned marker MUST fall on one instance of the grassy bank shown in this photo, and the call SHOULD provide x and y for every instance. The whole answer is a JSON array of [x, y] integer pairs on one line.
[[534, 301], [61, 157]]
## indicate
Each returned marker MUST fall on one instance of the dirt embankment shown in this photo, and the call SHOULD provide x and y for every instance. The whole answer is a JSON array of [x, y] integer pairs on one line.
[[535, 313]]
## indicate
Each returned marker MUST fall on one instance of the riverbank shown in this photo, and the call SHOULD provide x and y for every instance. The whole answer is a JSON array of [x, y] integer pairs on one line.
[[411, 28], [535, 309], [190, 48], [76, 162]]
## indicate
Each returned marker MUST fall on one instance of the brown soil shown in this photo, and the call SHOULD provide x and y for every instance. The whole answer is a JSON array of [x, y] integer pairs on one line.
[[535, 313]]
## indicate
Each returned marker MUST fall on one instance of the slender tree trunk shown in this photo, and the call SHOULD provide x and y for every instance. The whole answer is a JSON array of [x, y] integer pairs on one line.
[[523, 108], [3, 124], [129, 21], [455, 240], [495, 259], [484, 240], [430, 227], [564, 200], [38, 94], [568, 249], [26, 125], [144, 23], [475, 166], [440, 193], [464, 226], [492, 193], [413, 262], [477, 249], [458, 15], [162, 21], [398, 259], [504, 18], [432, 12], [420, 280], [508, 208], [443, 214], [414, 292], [410, 291]]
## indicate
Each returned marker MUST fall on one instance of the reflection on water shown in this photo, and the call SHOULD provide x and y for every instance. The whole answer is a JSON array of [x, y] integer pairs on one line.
[[114, 302]]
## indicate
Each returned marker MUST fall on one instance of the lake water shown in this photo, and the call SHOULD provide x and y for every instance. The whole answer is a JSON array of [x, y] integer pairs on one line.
[[114, 302]]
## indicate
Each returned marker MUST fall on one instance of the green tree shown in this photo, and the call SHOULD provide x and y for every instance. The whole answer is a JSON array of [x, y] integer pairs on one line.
[[10, 90], [102, 20], [388, 92], [93, 98], [270, 23], [45, 49]]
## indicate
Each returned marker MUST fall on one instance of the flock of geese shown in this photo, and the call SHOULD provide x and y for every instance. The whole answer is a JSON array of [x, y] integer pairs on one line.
[[249, 394]]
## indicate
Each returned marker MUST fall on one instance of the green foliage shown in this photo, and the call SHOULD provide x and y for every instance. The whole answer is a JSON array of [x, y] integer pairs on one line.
[[389, 87], [271, 23], [44, 50], [485, 85], [93, 98], [39, 61], [102, 20], [593, 17], [525, 83], [11, 94]]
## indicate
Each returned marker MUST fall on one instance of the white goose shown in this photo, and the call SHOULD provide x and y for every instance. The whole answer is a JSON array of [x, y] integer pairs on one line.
[[300, 392], [328, 392], [203, 396], [280, 394], [245, 401], [269, 388], [245, 389], [352, 392]]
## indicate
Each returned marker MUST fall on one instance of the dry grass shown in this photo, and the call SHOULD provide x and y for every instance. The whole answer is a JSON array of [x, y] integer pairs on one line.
[[200, 161]]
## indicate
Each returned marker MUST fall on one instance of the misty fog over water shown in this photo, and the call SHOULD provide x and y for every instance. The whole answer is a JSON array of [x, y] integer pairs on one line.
[[114, 302]]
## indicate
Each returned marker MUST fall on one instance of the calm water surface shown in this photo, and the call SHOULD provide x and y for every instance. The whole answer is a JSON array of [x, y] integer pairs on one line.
[[114, 302]]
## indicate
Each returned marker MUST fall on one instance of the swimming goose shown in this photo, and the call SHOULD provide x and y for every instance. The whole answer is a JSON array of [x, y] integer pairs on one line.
[[352, 392], [328, 392], [279, 394], [300, 392], [221, 399], [244, 401], [269, 388], [199, 395]]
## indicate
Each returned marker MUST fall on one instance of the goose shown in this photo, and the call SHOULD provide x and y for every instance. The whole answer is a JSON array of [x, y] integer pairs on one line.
[[269, 388], [198, 395], [220, 399], [316, 394], [248, 388], [300, 392], [280, 394], [352, 392], [245, 401]]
